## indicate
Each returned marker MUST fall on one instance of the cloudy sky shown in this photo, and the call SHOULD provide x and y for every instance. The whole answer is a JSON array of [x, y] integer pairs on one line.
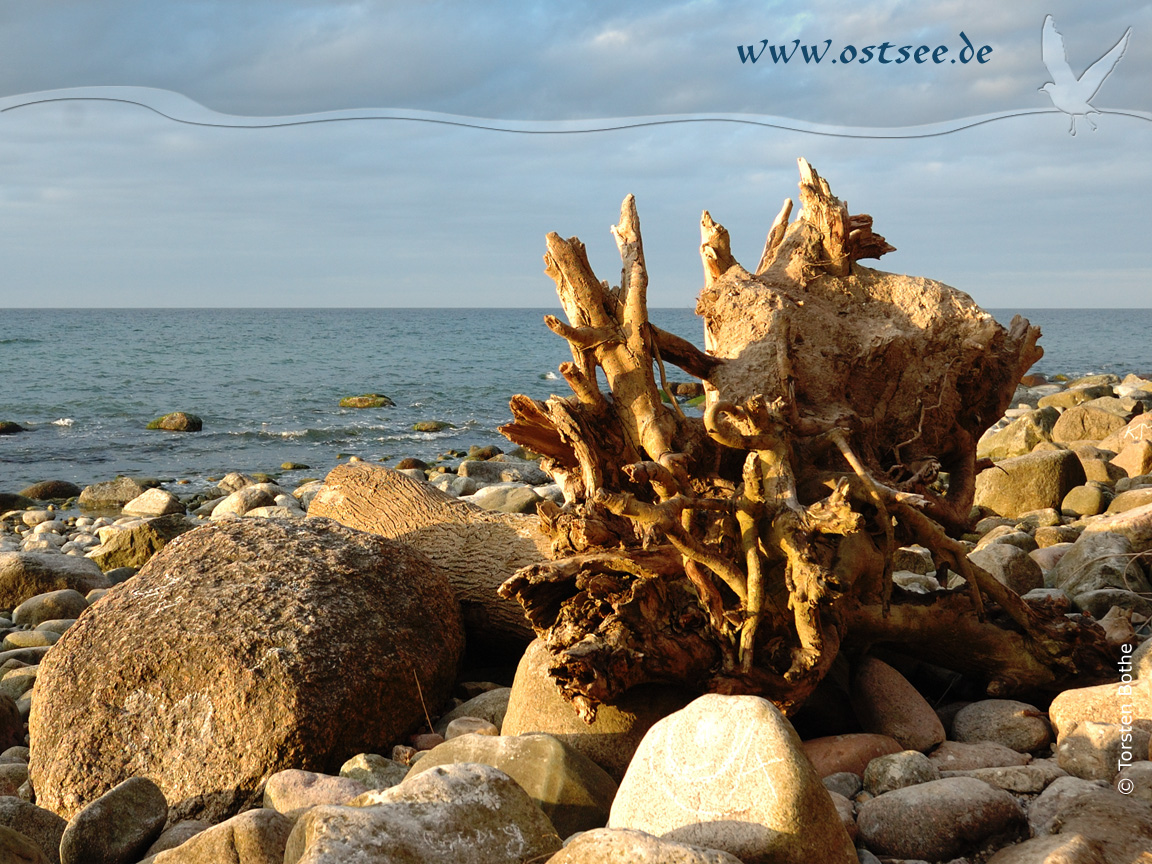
[[104, 203]]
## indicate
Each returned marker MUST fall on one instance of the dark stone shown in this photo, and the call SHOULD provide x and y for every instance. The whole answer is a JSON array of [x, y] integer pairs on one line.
[[177, 421], [51, 490]]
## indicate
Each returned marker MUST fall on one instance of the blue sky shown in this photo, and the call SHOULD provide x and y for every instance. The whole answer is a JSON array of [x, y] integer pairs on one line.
[[105, 204]]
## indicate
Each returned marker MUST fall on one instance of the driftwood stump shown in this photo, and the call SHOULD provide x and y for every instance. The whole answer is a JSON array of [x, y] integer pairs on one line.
[[740, 551]]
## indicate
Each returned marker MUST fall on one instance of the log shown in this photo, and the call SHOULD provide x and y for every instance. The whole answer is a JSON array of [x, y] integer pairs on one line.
[[742, 550], [479, 549]]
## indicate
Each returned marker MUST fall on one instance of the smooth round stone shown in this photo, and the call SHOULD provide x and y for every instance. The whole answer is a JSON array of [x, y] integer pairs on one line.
[[1097, 751], [939, 820], [29, 639], [374, 771], [958, 756], [32, 518], [886, 704], [850, 753], [898, 770], [1016, 725], [469, 726], [843, 783]]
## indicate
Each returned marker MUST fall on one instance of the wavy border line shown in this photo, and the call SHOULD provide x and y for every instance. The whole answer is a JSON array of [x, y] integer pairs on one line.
[[181, 109]]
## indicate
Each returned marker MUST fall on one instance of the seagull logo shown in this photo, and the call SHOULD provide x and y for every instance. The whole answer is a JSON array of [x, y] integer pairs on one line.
[[1070, 94]]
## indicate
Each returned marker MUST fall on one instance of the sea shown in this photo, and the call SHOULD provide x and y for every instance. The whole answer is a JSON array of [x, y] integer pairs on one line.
[[267, 382]]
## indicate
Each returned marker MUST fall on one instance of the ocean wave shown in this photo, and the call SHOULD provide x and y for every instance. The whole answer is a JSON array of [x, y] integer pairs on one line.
[[20, 340], [63, 421], [550, 376]]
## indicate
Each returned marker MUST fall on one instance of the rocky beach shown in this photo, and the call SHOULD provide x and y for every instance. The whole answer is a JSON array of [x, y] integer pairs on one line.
[[235, 675]]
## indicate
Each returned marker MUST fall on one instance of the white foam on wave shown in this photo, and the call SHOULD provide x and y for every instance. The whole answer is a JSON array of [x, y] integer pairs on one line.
[[550, 376], [63, 421]]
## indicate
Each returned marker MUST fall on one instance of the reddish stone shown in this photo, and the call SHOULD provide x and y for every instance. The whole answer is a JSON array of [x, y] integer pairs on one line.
[[848, 752]]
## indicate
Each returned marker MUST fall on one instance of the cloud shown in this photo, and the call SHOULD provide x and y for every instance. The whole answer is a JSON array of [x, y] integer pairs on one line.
[[110, 205]]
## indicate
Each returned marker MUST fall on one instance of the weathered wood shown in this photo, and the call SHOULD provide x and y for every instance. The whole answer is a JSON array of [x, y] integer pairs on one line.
[[479, 549], [739, 551]]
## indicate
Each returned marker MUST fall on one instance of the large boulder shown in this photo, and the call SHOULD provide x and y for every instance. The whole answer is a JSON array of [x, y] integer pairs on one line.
[[27, 574], [535, 705], [453, 814], [1032, 482], [479, 549], [728, 773], [241, 649]]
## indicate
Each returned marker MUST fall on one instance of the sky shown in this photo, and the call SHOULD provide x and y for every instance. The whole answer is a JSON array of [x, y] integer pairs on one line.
[[109, 204]]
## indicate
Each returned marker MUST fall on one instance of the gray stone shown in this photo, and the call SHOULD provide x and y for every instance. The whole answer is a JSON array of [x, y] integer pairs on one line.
[[154, 502], [1098, 560], [915, 559], [42, 827], [454, 485], [1136, 780], [26, 574], [504, 471], [465, 814], [470, 726], [51, 490], [111, 494], [255, 837], [490, 705], [898, 770], [234, 481], [940, 820], [293, 789], [1097, 603], [374, 771], [1023, 483], [959, 756], [1009, 565], [1029, 779], [1010, 535], [572, 790], [729, 773], [65, 603], [117, 827], [1015, 725], [244, 499], [172, 837], [1121, 824], [1074, 396], [507, 498], [1097, 751], [843, 783], [627, 846]]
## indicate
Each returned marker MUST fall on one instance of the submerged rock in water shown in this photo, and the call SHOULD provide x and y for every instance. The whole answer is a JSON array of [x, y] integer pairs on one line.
[[368, 400], [177, 421]]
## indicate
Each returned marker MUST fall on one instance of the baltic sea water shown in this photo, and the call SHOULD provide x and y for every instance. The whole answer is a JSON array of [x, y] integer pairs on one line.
[[267, 382]]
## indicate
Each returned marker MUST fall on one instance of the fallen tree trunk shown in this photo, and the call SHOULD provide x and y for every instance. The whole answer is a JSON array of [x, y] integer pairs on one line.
[[478, 548], [739, 551]]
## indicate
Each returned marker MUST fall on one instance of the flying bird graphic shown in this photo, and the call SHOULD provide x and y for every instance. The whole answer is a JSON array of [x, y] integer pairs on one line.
[[1070, 94]]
